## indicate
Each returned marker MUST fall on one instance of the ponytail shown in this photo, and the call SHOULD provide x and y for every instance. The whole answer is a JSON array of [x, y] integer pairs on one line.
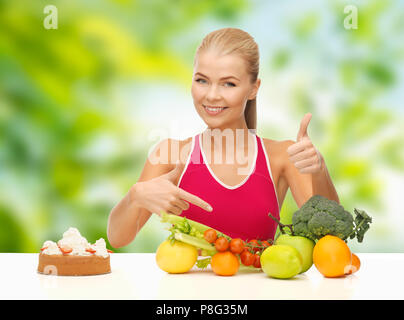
[[250, 114]]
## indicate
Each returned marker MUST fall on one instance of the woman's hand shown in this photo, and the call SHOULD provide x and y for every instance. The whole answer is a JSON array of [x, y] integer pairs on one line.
[[161, 194], [303, 154]]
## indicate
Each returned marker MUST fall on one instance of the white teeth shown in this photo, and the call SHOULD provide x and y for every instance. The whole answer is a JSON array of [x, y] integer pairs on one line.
[[214, 109]]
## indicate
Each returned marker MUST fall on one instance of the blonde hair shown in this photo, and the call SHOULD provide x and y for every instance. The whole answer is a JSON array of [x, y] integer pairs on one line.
[[236, 41]]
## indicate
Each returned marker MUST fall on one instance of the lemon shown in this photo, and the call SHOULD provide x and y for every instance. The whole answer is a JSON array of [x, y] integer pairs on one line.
[[177, 257]]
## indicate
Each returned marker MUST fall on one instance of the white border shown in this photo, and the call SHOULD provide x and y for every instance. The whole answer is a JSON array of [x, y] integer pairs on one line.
[[214, 176], [188, 160]]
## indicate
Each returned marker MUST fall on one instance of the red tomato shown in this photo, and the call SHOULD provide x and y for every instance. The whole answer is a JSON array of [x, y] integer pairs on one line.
[[247, 258], [257, 262], [221, 244], [210, 235], [254, 243], [236, 245], [265, 243]]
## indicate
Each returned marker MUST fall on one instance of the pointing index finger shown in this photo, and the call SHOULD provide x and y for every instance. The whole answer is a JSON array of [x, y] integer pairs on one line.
[[194, 200]]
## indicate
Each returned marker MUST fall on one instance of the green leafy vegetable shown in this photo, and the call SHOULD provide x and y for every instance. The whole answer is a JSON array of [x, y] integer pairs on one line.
[[194, 241], [186, 226], [203, 263], [177, 220], [362, 224], [320, 216]]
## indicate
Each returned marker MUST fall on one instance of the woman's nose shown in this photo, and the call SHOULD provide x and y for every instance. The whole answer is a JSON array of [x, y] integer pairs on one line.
[[213, 93]]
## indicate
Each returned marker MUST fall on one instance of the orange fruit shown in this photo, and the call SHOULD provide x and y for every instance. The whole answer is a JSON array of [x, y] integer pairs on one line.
[[355, 265], [225, 263], [332, 256]]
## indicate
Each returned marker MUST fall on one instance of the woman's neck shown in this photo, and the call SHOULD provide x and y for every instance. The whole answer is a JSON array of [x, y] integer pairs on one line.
[[229, 142]]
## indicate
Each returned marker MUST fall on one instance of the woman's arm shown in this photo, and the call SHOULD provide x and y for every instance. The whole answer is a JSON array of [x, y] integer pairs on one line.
[[304, 185], [306, 171], [127, 218], [155, 191], [322, 184]]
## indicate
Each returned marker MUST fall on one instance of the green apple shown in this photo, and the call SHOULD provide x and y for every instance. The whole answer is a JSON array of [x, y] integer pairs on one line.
[[303, 245], [281, 261]]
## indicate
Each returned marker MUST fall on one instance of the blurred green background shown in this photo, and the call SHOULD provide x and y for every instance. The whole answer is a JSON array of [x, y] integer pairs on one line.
[[81, 106]]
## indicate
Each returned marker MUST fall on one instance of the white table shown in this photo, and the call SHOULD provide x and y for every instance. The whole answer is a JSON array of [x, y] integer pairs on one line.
[[136, 276]]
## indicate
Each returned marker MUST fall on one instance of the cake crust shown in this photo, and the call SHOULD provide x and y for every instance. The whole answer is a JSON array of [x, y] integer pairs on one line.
[[73, 265]]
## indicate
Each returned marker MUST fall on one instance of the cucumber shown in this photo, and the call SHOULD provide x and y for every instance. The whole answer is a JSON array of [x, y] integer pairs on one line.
[[196, 242]]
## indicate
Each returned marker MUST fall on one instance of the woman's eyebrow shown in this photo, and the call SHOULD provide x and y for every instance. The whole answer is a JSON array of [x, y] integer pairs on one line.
[[228, 77]]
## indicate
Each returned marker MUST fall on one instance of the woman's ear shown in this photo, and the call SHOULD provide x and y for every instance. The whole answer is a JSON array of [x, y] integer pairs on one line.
[[254, 91]]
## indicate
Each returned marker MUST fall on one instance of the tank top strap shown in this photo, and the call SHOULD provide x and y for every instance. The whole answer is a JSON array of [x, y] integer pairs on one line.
[[194, 158], [261, 167], [196, 155]]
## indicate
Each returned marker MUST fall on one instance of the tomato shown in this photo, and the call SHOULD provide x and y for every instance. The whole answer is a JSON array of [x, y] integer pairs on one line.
[[257, 262], [225, 263], [221, 244], [265, 244], [210, 235], [236, 245], [254, 244], [247, 258]]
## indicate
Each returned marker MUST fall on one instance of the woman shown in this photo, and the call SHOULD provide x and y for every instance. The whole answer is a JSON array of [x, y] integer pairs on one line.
[[234, 197]]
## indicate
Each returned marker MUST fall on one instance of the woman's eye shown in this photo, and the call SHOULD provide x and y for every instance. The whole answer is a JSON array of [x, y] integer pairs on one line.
[[199, 80], [231, 84]]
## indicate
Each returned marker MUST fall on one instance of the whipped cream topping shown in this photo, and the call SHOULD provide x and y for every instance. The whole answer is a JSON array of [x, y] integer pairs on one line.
[[51, 248], [73, 243], [101, 248]]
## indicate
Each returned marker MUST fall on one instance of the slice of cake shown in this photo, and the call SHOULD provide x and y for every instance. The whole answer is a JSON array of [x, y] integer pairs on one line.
[[73, 255]]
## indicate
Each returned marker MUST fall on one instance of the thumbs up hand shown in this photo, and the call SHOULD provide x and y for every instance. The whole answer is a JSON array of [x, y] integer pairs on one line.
[[162, 194], [303, 154]]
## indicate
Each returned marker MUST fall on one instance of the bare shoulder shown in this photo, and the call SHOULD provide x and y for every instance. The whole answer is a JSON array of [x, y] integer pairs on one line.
[[277, 151], [180, 150], [277, 143], [278, 158], [185, 147], [164, 155], [173, 150]]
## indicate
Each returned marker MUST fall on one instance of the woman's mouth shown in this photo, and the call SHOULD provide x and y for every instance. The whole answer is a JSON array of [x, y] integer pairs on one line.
[[214, 110]]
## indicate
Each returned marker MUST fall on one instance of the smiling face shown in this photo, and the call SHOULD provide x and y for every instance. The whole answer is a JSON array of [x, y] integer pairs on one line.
[[221, 87]]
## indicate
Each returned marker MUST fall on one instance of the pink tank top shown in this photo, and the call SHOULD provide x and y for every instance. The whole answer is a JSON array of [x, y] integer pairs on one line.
[[239, 211]]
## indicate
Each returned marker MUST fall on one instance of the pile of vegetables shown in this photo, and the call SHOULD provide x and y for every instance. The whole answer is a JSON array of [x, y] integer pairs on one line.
[[222, 252], [318, 234]]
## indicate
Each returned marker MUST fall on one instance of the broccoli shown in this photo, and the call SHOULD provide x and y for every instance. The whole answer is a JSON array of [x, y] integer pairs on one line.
[[320, 216], [362, 221]]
